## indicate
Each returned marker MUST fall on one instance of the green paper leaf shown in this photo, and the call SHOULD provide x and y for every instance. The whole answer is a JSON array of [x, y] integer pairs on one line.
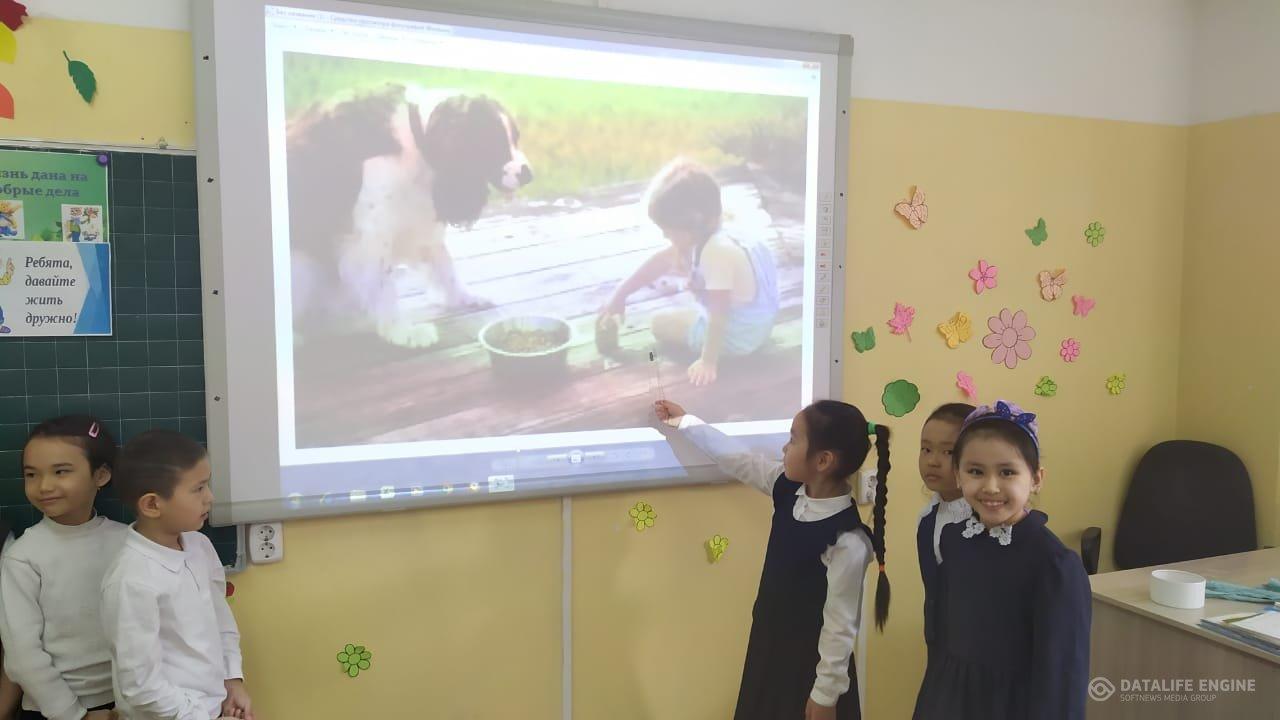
[[1038, 234], [86, 83], [900, 397], [864, 341]]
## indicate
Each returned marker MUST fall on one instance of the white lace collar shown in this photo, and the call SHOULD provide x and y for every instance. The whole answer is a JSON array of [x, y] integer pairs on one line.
[[973, 527]]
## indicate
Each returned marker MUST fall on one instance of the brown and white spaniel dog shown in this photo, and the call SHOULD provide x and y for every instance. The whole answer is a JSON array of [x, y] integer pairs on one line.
[[374, 182]]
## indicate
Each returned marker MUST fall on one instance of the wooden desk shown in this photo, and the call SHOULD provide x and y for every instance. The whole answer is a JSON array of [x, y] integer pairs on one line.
[[1134, 639]]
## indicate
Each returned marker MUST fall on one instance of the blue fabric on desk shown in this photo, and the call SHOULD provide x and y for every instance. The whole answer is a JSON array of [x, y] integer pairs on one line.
[[1268, 593]]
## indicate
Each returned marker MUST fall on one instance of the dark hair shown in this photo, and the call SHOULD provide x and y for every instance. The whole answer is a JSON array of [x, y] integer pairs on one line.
[[683, 195], [993, 426], [951, 412], [841, 429], [84, 430], [152, 462]]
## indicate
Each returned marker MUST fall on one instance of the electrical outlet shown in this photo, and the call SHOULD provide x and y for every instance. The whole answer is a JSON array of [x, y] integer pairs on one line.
[[266, 543], [866, 493]]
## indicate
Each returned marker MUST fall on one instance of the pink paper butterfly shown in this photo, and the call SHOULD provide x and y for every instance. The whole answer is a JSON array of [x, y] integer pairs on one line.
[[1051, 284], [914, 212], [964, 381], [1083, 305], [983, 276], [900, 323]]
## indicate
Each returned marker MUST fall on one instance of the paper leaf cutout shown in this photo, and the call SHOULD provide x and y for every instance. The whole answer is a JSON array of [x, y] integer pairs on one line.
[[1010, 338], [1046, 387], [1070, 350], [716, 547], [1094, 233], [8, 45], [900, 323], [82, 76], [900, 397], [12, 13], [964, 381], [354, 658], [956, 330], [1083, 305], [1051, 283], [6, 103], [864, 341], [1038, 234], [915, 212], [1115, 384], [983, 277], [642, 516]]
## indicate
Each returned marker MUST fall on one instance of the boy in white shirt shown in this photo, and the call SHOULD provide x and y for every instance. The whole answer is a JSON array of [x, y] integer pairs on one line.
[[174, 643]]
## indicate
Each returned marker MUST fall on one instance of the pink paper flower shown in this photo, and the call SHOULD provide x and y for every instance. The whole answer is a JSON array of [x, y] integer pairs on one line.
[[1070, 350], [1009, 338], [964, 381], [983, 276]]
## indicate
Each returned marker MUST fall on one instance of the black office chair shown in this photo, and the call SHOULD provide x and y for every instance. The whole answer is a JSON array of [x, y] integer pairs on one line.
[[1187, 500]]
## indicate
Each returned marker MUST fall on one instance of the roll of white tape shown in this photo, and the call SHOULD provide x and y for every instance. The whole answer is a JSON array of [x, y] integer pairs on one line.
[[1177, 589]]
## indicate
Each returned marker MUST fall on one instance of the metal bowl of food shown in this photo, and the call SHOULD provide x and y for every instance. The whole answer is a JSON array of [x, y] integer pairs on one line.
[[528, 347]]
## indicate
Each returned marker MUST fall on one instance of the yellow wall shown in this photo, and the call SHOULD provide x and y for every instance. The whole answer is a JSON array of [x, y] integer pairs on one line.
[[1229, 390], [462, 607]]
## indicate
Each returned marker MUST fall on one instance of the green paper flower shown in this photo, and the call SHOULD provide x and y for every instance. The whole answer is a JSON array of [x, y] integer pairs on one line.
[[1046, 387], [1115, 384], [1094, 234], [643, 516], [354, 658]]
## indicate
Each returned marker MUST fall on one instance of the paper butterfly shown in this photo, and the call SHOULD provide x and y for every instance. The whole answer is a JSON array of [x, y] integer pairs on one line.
[[983, 276], [900, 323], [1083, 305], [964, 381], [914, 212], [1038, 234], [957, 330], [1051, 284], [864, 341]]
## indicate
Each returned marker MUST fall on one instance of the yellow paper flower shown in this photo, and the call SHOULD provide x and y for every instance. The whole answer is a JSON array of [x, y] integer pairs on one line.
[[1115, 384], [643, 516], [716, 547]]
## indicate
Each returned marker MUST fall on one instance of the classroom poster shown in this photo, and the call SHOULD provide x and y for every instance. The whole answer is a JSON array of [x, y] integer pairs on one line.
[[55, 261]]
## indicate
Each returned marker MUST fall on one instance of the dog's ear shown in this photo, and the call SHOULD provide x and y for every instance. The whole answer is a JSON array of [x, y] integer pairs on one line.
[[465, 142]]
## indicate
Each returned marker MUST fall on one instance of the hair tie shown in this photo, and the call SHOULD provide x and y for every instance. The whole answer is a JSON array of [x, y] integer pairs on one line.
[[871, 428], [882, 567], [93, 430]]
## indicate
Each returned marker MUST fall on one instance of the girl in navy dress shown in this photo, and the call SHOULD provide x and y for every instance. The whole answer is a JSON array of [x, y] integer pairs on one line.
[[946, 503], [808, 608], [1012, 616]]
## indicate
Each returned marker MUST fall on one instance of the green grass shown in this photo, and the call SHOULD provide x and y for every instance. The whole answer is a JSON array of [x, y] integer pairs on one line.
[[581, 135]]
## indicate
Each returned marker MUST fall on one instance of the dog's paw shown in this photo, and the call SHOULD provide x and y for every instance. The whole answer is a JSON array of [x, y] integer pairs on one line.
[[409, 335]]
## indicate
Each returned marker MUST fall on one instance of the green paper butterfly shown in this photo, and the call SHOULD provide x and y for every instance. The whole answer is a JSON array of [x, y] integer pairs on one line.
[[1038, 234], [864, 341]]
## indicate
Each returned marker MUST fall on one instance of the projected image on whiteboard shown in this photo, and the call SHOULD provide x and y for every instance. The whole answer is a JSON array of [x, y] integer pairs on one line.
[[489, 253]]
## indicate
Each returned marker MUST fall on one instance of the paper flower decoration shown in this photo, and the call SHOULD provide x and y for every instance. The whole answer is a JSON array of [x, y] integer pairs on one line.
[[864, 341], [900, 323], [1115, 384], [1038, 234], [1010, 337], [1046, 387], [1070, 350], [1094, 234], [983, 277], [1051, 284], [716, 547], [643, 516], [915, 212], [900, 397], [1083, 305], [354, 658], [956, 330], [964, 381]]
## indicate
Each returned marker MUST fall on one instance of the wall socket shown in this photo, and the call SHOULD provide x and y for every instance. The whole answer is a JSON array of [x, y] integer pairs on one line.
[[266, 543], [865, 493]]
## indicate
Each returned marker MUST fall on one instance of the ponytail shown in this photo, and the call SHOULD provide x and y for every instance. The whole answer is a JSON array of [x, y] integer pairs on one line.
[[878, 522]]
